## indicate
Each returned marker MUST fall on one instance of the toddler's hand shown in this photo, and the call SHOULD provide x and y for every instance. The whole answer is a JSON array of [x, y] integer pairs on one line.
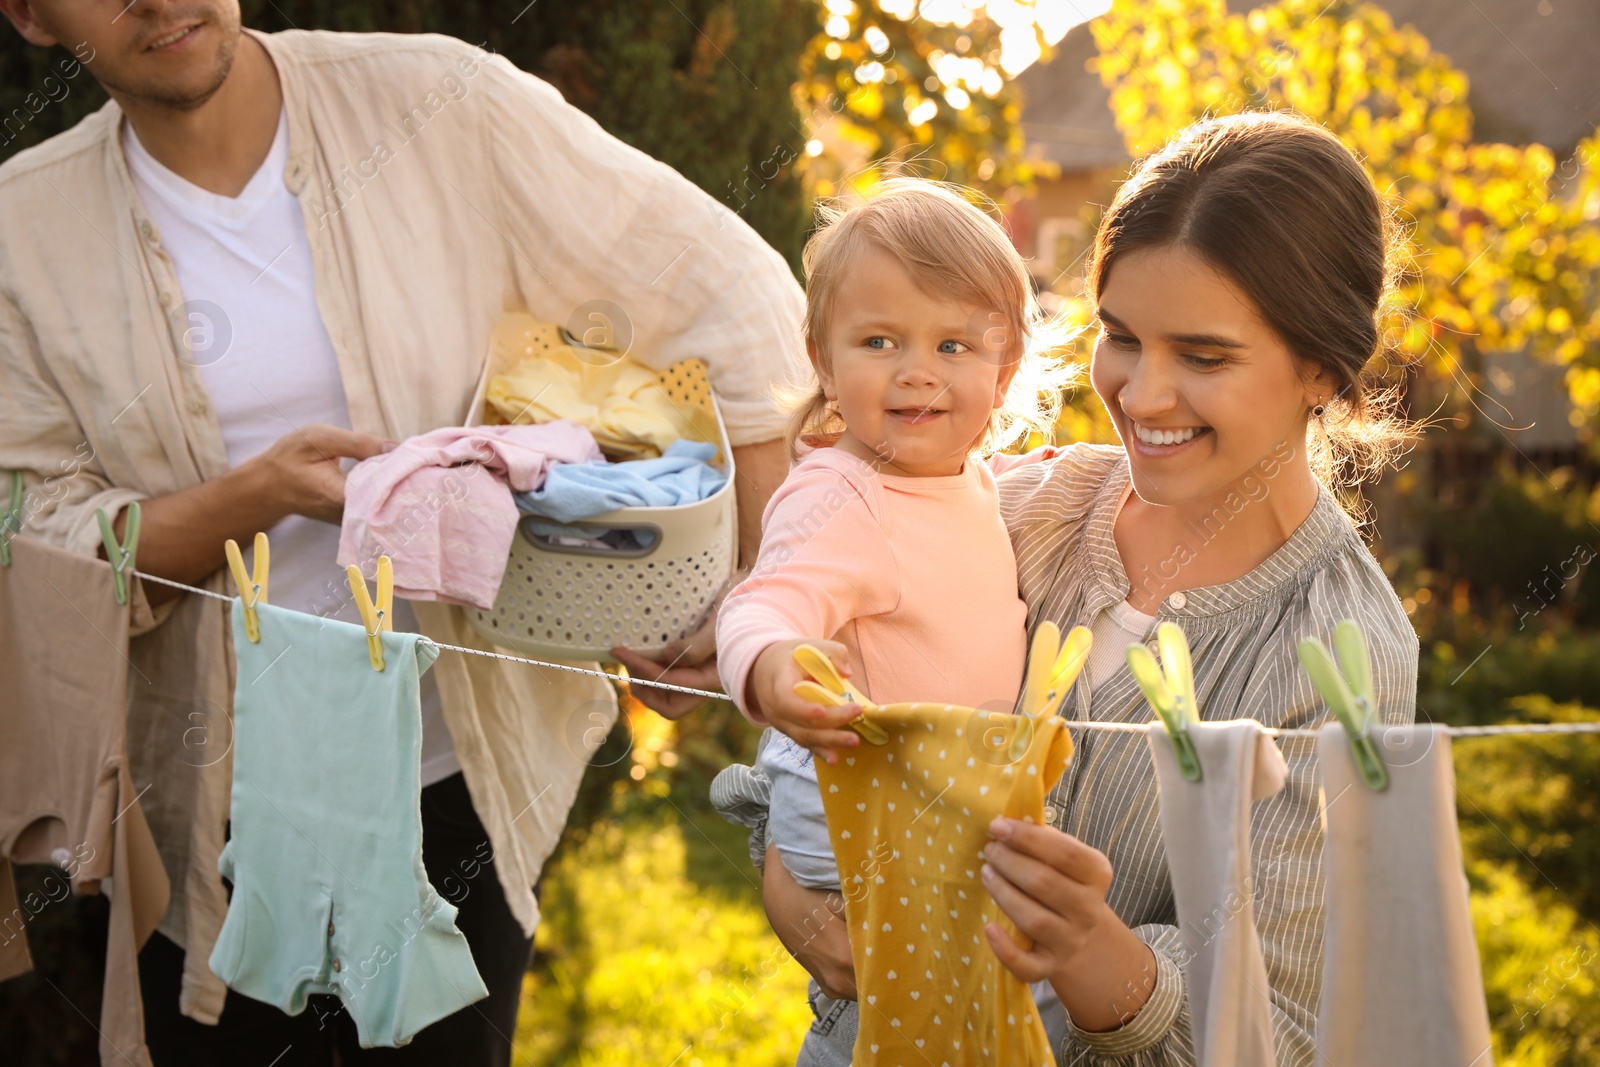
[[770, 691]]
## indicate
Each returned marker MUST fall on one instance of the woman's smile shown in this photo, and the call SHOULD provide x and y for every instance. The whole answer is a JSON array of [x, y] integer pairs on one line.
[[1161, 441]]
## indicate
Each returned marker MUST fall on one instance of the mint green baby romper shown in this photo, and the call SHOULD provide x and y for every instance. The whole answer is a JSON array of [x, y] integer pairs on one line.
[[325, 850]]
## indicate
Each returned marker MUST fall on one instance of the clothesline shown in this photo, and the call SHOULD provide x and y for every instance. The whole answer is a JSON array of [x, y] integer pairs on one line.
[[1111, 727]]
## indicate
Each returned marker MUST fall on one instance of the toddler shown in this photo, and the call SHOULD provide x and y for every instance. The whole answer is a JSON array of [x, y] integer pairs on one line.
[[884, 547]]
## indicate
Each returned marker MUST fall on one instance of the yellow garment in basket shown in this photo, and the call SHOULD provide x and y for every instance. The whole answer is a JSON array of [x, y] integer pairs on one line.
[[621, 402], [908, 820]]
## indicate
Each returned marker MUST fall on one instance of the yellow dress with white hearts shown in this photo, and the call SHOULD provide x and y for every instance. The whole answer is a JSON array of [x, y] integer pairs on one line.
[[908, 819]]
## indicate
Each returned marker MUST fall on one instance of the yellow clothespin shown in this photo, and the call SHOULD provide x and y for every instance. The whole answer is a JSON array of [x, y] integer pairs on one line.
[[1169, 687], [377, 617], [1053, 665], [831, 690], [252, 587]]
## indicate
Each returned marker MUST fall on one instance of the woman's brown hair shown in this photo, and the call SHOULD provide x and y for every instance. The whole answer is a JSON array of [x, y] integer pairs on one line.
[[1284, 210]]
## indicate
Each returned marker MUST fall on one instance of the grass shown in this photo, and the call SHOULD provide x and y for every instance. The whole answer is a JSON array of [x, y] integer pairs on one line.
[[654, 948]]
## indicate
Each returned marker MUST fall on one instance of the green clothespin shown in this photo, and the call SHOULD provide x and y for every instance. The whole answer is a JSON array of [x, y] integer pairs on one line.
[[1169, 687], [1347, 688], [11, 521], [120, 556]]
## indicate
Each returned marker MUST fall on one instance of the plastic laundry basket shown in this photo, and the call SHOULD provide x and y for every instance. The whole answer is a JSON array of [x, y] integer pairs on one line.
[[573, 602]]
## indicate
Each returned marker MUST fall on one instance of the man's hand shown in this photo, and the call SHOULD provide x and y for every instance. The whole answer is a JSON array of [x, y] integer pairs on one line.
[[689, 661], [183, 533], [301, 470], [769, 691]]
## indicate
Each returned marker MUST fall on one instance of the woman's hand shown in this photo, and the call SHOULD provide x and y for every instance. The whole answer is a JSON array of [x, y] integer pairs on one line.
[[769, 691], [810, 923], [1053, 887]]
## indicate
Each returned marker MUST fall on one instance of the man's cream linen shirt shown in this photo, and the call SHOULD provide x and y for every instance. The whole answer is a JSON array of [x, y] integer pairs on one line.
[[441, 186]]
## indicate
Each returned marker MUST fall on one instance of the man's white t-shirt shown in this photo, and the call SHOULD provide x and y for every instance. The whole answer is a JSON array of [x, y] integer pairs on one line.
[[255, 334]]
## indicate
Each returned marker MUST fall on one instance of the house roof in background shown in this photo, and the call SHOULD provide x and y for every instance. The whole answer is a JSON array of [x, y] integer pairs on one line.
[[1533, 77]]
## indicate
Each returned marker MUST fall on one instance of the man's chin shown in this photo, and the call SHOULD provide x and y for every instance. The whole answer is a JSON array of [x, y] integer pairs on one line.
[[178, 90]]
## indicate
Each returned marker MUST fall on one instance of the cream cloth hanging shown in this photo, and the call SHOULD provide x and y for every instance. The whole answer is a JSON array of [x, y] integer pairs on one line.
[[1206, 829], [1400, 975]]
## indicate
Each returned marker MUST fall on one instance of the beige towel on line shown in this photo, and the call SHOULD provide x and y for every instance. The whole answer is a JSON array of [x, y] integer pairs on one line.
[[66, 796], [1400, 976], [1206, 828]]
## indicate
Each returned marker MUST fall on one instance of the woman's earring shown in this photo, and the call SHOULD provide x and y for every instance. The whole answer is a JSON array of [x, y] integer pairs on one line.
[[1318, 411]]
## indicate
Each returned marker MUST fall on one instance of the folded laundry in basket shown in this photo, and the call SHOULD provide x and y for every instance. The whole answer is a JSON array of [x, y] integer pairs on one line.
[[437, 506], [619, 400], [683, 475]]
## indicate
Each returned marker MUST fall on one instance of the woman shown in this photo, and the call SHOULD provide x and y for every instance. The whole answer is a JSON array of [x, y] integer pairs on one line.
[[1238, 276]]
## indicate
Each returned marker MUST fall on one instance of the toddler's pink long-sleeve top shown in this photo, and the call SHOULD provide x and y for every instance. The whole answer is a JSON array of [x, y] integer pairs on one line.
[[915, 576]]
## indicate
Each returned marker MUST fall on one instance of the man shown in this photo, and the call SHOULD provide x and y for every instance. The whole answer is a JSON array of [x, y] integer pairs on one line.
[[271, 254]]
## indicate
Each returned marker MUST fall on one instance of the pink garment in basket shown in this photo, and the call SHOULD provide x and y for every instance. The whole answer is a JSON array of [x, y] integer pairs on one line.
[[440, 507]]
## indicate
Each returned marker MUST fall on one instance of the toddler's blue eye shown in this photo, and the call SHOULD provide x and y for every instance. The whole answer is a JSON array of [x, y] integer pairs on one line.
[[877, 342], [952, 348]]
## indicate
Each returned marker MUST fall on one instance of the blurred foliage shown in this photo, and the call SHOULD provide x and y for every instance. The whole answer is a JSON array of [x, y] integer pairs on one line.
[[1539, 967], [1523, 544], [654, 947], [1473, 674], [1529, 810], [923, 83], [1502, 243], [705, 86], [1533, 800], [45, 1014]]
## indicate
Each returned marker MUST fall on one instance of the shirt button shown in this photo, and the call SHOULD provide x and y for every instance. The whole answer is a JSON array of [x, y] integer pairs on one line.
[[337, 965], [1177, 601], [147, 230], [330, 929], [197, 407], [166, 300], [1154, 646], [1051, 814]]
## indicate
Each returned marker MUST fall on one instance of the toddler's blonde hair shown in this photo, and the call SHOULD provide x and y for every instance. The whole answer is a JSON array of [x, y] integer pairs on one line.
[[950, 248]]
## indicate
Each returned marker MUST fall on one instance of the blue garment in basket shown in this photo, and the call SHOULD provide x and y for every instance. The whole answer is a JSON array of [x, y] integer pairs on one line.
[[574, 491], [325, 851]]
